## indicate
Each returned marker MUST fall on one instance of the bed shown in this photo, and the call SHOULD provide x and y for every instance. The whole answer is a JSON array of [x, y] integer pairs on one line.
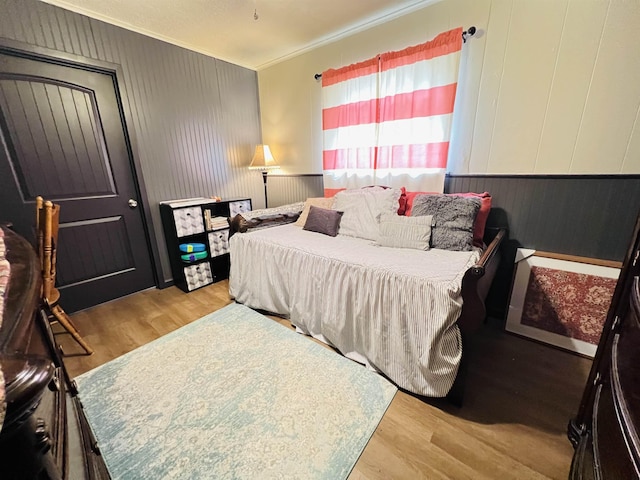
[[400, 311]]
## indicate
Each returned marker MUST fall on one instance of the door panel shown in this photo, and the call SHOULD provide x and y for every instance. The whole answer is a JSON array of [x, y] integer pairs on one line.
[[63, 138], [101, 244], [58, 143]]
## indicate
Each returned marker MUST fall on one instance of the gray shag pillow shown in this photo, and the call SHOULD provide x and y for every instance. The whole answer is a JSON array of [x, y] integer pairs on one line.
[[453, 219], [324, 221]]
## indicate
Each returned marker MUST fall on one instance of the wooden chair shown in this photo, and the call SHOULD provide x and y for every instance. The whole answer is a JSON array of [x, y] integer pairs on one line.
[[47, 220]]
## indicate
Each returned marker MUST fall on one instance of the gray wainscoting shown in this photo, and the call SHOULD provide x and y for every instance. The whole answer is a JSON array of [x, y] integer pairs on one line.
[[194, 120], [590, 216], [285, 189]]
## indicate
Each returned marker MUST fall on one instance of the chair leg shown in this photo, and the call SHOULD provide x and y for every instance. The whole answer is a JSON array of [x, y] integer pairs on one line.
[[65, 321], [69, 321]]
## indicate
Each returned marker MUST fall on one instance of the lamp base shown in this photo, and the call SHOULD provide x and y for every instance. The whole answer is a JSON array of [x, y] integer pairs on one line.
[[264, 180]]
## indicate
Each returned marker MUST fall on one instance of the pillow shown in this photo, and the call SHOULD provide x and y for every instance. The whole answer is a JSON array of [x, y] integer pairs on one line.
[[481, 219], [317, 202], [453, 219], [402, 201], [405, 232], [409, 199], [331, 192], [363, 208], [323, 220]]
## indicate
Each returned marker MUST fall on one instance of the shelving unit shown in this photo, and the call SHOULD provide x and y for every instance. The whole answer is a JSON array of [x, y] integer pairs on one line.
[[199, 220]]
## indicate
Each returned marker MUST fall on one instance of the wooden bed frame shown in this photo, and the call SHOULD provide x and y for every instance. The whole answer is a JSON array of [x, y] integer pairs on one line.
[[475, 287], [477, 281]]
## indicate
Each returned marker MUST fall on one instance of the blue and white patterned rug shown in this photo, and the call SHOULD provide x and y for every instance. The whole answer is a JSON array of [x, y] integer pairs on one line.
[[233, 395]]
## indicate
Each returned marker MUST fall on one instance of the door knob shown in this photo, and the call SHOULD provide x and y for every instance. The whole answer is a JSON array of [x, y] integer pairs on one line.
[[133, 203]]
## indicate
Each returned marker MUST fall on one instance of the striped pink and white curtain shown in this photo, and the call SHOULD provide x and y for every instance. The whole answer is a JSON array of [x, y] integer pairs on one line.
[[387, 121]]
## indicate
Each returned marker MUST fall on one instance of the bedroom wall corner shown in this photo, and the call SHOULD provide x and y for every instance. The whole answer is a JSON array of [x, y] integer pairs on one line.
[[195, 118]]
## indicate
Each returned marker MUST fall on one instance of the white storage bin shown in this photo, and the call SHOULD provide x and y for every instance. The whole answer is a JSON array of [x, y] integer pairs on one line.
[[239, 206], [188, 221], [219, 242], [198, 275]]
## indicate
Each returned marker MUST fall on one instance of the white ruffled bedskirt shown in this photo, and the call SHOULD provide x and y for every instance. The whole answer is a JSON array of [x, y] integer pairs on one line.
[[392, 309]]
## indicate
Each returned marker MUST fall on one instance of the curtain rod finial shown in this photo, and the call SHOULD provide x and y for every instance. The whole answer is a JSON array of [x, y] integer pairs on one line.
[[471, 31]]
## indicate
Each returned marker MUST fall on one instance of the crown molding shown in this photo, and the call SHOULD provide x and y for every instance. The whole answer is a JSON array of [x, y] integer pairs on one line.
[[366, 24], [370, 22]]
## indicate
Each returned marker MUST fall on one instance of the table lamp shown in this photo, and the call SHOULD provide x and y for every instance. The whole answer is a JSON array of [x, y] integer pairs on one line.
[[263, 160]]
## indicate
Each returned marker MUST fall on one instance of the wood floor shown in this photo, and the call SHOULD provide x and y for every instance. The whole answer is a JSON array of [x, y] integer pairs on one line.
[[520, 395]]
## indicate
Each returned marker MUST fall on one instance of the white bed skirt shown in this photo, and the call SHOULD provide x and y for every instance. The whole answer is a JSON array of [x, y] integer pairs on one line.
[[391, 309]]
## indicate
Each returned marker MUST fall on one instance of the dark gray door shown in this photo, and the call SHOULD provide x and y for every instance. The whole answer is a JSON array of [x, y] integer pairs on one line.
[[64, 138]]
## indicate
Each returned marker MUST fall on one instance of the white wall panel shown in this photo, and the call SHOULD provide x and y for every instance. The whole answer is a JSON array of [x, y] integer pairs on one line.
[[290, 116], [286, 189], [614, 95], [549, 86], [494, 44], [571, 80], [633, 149], [530, 57]]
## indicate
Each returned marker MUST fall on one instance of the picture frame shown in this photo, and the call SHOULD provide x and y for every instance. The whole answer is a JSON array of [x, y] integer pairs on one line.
[[561, 300]]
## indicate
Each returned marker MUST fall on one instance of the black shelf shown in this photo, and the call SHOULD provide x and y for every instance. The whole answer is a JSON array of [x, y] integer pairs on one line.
[[179, 220]]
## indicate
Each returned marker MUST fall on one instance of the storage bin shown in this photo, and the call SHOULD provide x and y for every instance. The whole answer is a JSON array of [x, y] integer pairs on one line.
[[198, 275], [219, 242], [188, 221]]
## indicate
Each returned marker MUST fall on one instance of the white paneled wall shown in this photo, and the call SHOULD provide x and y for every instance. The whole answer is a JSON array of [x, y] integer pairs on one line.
[[521, 108], [572, 73], [546, 86]]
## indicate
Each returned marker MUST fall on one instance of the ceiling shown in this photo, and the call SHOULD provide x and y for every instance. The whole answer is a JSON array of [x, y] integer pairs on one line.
[[226, 29]]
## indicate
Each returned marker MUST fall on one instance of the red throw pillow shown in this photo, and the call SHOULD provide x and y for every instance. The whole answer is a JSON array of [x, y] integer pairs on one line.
[[402, 201], [330, 192]]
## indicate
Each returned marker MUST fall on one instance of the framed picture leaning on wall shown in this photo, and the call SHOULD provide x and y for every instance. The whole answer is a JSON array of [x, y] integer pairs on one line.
[[561, 300]]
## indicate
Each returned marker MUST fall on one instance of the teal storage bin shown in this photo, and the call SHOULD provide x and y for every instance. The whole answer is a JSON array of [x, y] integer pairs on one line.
[[192, 257]]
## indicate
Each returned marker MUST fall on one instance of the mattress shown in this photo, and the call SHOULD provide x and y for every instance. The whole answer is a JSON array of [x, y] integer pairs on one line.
[[392, 309]]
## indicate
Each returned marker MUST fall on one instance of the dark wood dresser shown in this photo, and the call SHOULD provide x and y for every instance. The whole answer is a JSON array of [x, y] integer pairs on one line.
[[45, 434], [606, 430]]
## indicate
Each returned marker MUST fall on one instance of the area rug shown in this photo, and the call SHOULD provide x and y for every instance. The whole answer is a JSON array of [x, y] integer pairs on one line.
[[233, 395]]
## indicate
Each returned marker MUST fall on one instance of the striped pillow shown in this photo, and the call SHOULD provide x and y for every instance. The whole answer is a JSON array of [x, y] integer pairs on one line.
[[363, 208], [405, 232]]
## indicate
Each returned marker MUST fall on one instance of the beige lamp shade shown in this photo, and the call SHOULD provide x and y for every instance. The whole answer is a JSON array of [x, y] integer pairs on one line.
[[262, 159]]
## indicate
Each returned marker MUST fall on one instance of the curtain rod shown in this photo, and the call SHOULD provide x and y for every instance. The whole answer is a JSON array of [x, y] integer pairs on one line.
[[470, 32]]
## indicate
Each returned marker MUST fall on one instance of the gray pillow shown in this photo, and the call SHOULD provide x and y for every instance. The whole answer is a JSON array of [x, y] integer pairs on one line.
[[322, 220], [453, 219]]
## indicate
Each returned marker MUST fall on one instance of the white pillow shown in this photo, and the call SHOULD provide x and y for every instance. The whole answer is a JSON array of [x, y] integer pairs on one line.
[[363, 208], [405, 232]]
